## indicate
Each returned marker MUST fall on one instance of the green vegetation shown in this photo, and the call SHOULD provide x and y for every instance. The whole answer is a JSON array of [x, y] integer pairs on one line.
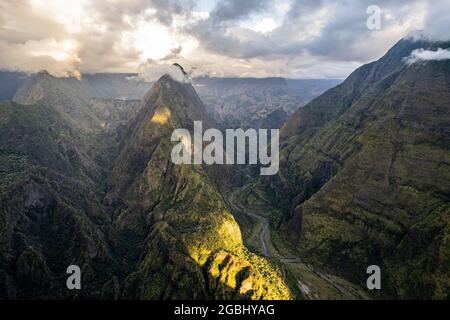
[[193, 246], [366, 167], [137, 225]]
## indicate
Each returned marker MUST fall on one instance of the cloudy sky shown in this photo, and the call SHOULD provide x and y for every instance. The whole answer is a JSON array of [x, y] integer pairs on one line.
[[291, 38]]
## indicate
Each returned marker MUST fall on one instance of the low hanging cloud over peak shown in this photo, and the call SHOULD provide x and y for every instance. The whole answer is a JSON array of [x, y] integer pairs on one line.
[[290, 38], [428, 55], [153, 70]]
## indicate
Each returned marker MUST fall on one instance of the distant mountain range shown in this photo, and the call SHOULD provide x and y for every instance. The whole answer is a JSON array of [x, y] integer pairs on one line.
[[235, 102], [254, 103], [100, 85]]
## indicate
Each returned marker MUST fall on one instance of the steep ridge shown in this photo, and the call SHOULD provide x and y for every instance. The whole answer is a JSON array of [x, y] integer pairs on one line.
[[367, 170], [177, 237]]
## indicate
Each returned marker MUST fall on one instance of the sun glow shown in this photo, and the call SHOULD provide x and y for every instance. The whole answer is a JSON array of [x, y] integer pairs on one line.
[[71, 14], [265, 25], [161, 116], [151, 39]]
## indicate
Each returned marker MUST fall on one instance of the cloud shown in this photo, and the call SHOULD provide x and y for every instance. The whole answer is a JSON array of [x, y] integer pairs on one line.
[[437, 21], [428, 55], [293, 38], [105, 36], [153, 70], [333, 29], [345, 36], [234, 10]]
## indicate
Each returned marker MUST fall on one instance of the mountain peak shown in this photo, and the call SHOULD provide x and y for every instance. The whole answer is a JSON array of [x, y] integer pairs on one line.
[[179, 97]]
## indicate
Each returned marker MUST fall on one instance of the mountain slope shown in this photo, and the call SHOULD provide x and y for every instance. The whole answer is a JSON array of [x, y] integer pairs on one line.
[[50, 214], [256, 102], [178, 236], [366, 168]]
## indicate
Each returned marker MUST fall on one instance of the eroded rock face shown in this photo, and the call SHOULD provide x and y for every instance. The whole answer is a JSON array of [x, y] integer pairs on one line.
[[367, 167]]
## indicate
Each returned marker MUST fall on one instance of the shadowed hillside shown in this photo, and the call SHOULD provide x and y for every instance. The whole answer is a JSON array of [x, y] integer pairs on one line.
[[365, 175]]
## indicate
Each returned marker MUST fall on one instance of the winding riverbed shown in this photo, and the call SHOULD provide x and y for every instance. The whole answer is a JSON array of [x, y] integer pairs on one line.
[[348, 292]]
